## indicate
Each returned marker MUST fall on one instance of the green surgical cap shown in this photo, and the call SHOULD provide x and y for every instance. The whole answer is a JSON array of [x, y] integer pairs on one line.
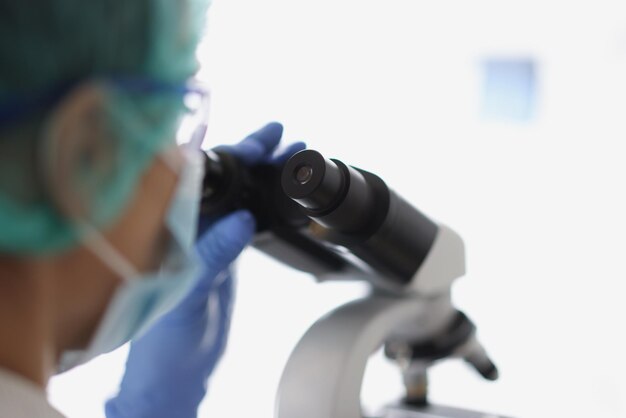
[[46, 43]]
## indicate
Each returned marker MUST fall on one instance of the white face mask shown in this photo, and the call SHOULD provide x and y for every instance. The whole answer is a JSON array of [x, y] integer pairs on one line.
[[143, 298]]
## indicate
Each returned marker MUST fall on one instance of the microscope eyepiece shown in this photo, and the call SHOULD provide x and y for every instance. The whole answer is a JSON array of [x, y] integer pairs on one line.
[[312, 181]]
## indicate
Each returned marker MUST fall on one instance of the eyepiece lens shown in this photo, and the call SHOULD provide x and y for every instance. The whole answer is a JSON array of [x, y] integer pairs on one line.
[[311, 180], [303, 174]]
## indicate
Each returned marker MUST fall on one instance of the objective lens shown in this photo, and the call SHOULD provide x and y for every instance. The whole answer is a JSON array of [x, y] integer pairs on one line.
[[304, 174]]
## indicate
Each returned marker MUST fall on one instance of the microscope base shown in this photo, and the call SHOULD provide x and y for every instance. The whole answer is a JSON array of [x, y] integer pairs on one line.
[[435, 411]]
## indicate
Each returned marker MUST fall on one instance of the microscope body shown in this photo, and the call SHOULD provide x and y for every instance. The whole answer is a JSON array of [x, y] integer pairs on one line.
[[338, 222]]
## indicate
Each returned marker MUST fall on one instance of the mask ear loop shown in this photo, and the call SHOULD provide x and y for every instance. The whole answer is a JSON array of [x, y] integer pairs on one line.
[[94, 240]]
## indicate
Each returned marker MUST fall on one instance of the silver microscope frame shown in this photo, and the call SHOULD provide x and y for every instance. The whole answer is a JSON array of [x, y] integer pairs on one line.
[[324, 375]]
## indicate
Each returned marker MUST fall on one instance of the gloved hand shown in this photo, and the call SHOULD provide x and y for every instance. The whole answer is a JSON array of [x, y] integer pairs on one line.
[[168, 367]]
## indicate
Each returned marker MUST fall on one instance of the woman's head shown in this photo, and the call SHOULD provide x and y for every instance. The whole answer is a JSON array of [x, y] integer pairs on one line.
[[58, 56], [80, 140]]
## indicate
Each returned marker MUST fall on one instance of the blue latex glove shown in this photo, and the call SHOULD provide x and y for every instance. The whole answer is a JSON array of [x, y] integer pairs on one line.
[[168, 367]]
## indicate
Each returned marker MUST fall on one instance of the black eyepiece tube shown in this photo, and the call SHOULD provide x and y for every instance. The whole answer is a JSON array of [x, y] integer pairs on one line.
[[358, 211]]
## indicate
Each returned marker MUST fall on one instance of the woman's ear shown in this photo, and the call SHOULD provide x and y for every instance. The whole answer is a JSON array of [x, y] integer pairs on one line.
[[79, 152]]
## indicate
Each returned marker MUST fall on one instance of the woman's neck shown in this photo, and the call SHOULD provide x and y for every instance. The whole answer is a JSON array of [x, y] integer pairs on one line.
[[25, 327]]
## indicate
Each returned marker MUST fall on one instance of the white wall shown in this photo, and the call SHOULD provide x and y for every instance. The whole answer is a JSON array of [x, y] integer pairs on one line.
[[394, 87]]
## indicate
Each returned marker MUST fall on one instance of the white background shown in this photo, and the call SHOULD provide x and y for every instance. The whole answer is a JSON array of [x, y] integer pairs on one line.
[[395, 87]]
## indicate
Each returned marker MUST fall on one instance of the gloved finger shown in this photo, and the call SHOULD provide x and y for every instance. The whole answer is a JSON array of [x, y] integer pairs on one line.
[[225, 240], [258, 146], [218, 247], [225, 291], [285, 154], [223, 300]]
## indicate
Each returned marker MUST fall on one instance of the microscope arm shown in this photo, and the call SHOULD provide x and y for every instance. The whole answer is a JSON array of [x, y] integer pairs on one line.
[[323, 376]]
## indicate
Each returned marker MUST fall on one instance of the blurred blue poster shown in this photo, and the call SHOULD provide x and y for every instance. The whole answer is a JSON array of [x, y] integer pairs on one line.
[[509, 91]]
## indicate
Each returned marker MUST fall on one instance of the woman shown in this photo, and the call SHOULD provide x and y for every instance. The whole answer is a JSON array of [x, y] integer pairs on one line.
[[98, 204]]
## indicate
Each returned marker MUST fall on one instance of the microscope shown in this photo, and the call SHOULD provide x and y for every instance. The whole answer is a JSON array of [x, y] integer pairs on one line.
[[339, 222]]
